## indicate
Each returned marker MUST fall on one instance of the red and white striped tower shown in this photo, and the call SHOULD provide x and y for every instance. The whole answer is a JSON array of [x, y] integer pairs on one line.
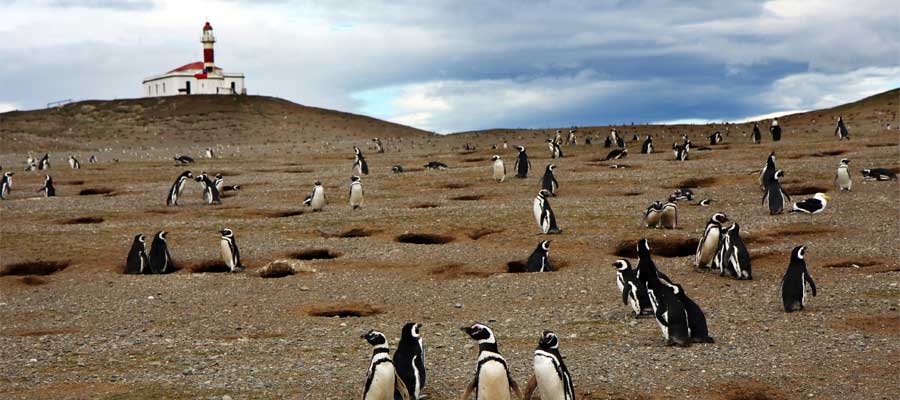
[[208, 41]]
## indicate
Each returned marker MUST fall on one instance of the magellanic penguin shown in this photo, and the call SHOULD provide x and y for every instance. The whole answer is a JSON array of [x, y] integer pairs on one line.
[[775, 129], [499, 168], [182, 160], [492, 380], [878, 174], [44, 163], [48, 188], [555, 150], [709, 242], [715, 138], [210, 193], [680, 151], [382, 380], [6, 184], [209, 153], [137, 261], [435, 165], [359, 163], [160, 259], [683, 194], [697, 327], [539, 260], [177, 187], [523, 165], [733, 257], [379, 147], [551, 377], [756, 135], [316, 199], [615, 139], [647, 147], [74, 163], [409, 359], [775, 197], [544, 215], [767, 174], [356, 192], [616, 154], [668, 218], [93, 159], [647, 273], [634, 293], [228, 248], [653, 214], [813, 205], [841, 129], [670, 315], [548, 181], [793, 284], [842, 179]]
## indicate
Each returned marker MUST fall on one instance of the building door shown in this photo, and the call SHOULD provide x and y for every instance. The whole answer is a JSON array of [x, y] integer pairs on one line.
[[233, 91], [187, 87]]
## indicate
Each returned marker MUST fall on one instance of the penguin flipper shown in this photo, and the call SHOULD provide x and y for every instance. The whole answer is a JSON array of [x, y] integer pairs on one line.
[[625, 290], [513, 386], [400, 388], [532, 386], [469, 389], [812, 284]]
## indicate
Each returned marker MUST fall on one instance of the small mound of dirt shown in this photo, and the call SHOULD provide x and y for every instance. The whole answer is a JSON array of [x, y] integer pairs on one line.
[[480, 233], [694, 183], [424, 238], [457, 185], [425, 205], [207, 266], [314, 254], [95, 191], [750, 390], [805, 190], [828, 153], [345, 310], [82, 220], [34, 268], [472, 197], [32, 280], [276, 271], [663, 247]]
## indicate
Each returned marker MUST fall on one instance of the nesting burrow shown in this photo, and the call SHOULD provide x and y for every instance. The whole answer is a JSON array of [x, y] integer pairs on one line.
[[662, 247], [830, 153], [751, 390], [207, 266], [805, 190], [775, 234], [34, 268], [425, 205], [73, 183], [474, 160], [882, 144], [480, 233], [453, 271], [95, 191], [630, 194], [314, 254], [457, 185], [695, 183], [81, 221], [349, 234], [471, 197], [276, 270], [424, 238], [284, 214], [345, 310]]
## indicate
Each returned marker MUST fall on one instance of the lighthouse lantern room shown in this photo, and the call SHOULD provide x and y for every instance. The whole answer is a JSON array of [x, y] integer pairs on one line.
[[197, 77]]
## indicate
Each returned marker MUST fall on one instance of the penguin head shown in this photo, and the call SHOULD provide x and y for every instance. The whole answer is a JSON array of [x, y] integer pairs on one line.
[[720, 218], [779, 174], [521, 149], [48, 179], [544, 193], [411, 330], [845, 161], [318, 183], [676, 288], [161, 235], [549, 340], [354, 178], [187, 174], [375, 338], [735, 228], [8, 174], [545, 245], [480, 332], [356, 150], [799, 252], [495, 157], [226, 233], [218, 176], [550, 167], [140, 238], [622, 265], [866, 171], [643, 247]]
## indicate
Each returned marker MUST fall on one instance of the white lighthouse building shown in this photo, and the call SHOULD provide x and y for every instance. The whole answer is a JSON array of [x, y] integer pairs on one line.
[[202, 77]]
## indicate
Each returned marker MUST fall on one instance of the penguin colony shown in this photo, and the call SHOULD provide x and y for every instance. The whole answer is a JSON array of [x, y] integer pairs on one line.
[[645, 290]]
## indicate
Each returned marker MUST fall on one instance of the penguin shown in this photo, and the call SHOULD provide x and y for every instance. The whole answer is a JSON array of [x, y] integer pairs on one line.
[[543, 214], [436, 165], [228, 248], [210, 193], [616, 154], [555, 150], [616, 139], [767, 174], [775, 129], [160, 259], [733, 257], [607, 143], [182, 160], [6, 184], [551, 377], [44, 163], [30, 160], [219, 182], [492, 379], [709, 242], [570, 139], [209, 153], [696, 319], [382, 381], [74, 163], [409, 360], [523, 165], [668, 218], [683, 194], [841, 130], [635, 138], [499, 168], [379, 147], [539, 260], [812, 206], [705, 203], [93, 159], [756, 135], [397, 169], [177, 187], [505, 145], [48, 189], [775, 196], [878, 174], [653, 214], [715, 138], [793, 284], [681, 150], [356, 192], [647, 147], [316, 199], [362, 167], [634, 293], [137, 262], [842, 180], [548, 181], [670, 315]]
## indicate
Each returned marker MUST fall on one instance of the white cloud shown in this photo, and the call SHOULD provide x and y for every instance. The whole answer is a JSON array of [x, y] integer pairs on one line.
[[8, 106], [815, 90]]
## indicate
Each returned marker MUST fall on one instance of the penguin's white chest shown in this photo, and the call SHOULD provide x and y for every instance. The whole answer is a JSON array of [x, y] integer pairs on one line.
[[225, 250], [709, 247], [549, 384], [499, 170], [538, 209], [318, 200], [493, 383], [844, 179], [382, 387], [356, 195]]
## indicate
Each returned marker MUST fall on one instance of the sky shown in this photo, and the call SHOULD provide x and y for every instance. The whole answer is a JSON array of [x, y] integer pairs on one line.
[[450, 66]]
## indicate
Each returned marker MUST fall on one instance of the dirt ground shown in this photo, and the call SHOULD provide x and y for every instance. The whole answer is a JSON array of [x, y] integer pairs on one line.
[[73, 326]]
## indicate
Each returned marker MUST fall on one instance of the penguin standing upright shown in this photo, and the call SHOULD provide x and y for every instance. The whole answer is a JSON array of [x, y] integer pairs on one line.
[[652, 214], [316, 199], [228, 248], [634, 293], [767, 174], [210, 193], [44, 163], [48, 189], [841, 129], [555, 150], [382, 380], [492, 379], [356, 192], [177, 187], [775, 196], [756, 135], [671, 315], [409, 359], [697, 327], [74, 163], [647, 146], [160, 259], [523, 165], [733, 257], [668, 217], [551, 377], [499, 168], [616, 139], [715, 138], [539, 260], [379, 147], [209, 153], [709, 242], [775, 129], [842, 180], [362, 167], [543, 214], [137, 262], [548, 181], [793, 284], [6, 184]]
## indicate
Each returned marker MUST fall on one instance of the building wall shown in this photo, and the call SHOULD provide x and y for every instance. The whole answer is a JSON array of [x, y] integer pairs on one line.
[[168, 85]]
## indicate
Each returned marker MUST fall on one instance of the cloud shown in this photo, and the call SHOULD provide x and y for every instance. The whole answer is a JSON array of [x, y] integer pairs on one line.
[[8, 106], [815, 90]]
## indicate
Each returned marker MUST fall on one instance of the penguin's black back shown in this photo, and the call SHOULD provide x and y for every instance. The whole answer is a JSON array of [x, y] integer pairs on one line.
[[537, 258], [792, 284], [522, 165], [160, 261], [696, 319], [135, 257], [407, 350]]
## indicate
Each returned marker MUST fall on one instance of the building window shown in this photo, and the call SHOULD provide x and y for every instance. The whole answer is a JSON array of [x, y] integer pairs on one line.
[[157, 88], [164, 88]]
